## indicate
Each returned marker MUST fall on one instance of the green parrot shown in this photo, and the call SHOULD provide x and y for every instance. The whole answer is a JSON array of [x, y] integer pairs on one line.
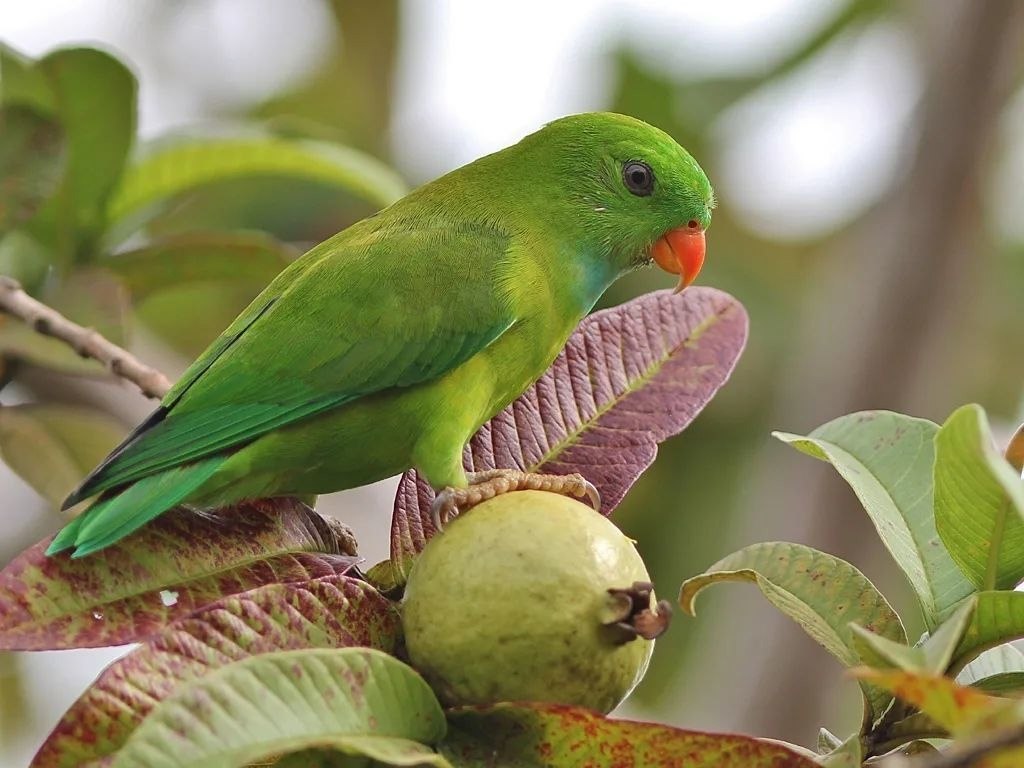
[[387, 346]]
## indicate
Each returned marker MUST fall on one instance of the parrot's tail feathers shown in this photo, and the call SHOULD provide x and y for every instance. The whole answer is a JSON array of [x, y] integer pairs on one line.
[[111, 519], [65, 539]]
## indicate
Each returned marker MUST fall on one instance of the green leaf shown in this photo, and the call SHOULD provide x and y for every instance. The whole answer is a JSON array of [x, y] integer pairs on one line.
[[24, 258], [200, 257], [849, 754], [95, 98], [553, 735], [887, 459], [940, 646], [167, 569], [355, 700], [330, 612], [951, 706], [906, 730], [51, 447], [173, 169], [32, 158], [979, 502], [998, 671], [22, 83], [1014, 452], [883, 653], [998, 618], [932, 655], [1008, 684], [822, 593], [1002, 658]]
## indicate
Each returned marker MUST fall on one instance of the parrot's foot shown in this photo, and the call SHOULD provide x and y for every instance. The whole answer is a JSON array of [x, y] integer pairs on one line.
[[494, 482]]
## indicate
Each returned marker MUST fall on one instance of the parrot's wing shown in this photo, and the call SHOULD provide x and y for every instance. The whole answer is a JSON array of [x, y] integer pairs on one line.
[[352, 319]]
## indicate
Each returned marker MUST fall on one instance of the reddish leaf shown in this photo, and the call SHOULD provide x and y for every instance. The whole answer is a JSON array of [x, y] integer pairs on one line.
[[332, 612], [549, 734], [628, 378], [135, 587]]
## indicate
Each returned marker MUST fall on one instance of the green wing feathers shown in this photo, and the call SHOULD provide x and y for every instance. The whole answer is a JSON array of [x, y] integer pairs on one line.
[[347, 320], [113, 518]]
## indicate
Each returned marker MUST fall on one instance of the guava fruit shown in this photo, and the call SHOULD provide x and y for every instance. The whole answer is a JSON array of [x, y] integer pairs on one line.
[[531, 596]]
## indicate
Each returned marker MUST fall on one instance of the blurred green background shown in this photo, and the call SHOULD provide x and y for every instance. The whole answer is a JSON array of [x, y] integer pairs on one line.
[[868, 159]]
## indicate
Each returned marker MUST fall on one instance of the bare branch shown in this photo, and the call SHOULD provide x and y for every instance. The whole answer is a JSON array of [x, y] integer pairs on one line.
[[85, 341]]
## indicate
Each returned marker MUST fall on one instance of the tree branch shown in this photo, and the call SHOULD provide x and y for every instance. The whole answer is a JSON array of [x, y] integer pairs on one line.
[[85, 341]]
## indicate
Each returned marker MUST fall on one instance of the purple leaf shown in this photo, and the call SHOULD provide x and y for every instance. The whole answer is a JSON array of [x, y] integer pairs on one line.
[[628, 378], [332, 612], [179, 562]]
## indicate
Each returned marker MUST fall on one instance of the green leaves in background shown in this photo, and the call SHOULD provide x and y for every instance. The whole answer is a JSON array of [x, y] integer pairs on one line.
[[997, 618], [32, 159], [330, 612], [200, 257], [355, 700], [83, 106], [999, 671], [95, 99], [979, 502], [887, 459], [175, 168], [180, 562], [554, 735], [822, 593], [53, 446]]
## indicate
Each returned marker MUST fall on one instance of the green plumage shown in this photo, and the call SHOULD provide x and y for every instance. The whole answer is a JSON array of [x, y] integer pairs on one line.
[[389, 344]]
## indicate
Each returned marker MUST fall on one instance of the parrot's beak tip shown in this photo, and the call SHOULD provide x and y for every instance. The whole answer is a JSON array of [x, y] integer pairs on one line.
[[681, 252]]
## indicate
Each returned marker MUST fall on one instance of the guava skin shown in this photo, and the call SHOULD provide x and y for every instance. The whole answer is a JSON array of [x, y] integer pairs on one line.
[[511, 603]]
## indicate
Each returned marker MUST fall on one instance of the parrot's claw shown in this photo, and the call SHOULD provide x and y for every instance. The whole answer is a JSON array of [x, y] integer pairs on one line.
[[486, 485]]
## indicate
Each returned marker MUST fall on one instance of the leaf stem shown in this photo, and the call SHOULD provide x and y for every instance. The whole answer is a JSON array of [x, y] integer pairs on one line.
[[85, 341]]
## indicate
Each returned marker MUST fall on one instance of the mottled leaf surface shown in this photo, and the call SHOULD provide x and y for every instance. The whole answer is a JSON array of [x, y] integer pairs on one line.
[[887, 459], [356, 700], [628, 378], [330, 612], [979, 502], [167, 569], [822, 593], [52, 447], [535, 735]]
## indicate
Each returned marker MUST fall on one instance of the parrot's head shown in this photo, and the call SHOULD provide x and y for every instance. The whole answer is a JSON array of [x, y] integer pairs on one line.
[[634, 192]]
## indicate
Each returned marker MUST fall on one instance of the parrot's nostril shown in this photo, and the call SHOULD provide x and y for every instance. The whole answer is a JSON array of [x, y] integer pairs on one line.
[[694, 224]]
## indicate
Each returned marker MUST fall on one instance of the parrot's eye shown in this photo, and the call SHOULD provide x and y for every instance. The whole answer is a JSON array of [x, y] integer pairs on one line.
[[638, 178]]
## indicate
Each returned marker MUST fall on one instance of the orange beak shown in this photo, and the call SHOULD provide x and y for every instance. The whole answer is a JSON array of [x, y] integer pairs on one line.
[[681, 251]]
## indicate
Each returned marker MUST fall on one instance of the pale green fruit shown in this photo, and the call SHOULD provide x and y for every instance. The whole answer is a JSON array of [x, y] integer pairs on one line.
[[512, 603]]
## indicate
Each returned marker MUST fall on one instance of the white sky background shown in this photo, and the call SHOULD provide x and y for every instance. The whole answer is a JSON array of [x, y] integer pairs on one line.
[[794, 160]]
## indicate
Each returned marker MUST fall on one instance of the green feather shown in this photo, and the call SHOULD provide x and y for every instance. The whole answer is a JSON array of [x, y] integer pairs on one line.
[[113, 518]]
